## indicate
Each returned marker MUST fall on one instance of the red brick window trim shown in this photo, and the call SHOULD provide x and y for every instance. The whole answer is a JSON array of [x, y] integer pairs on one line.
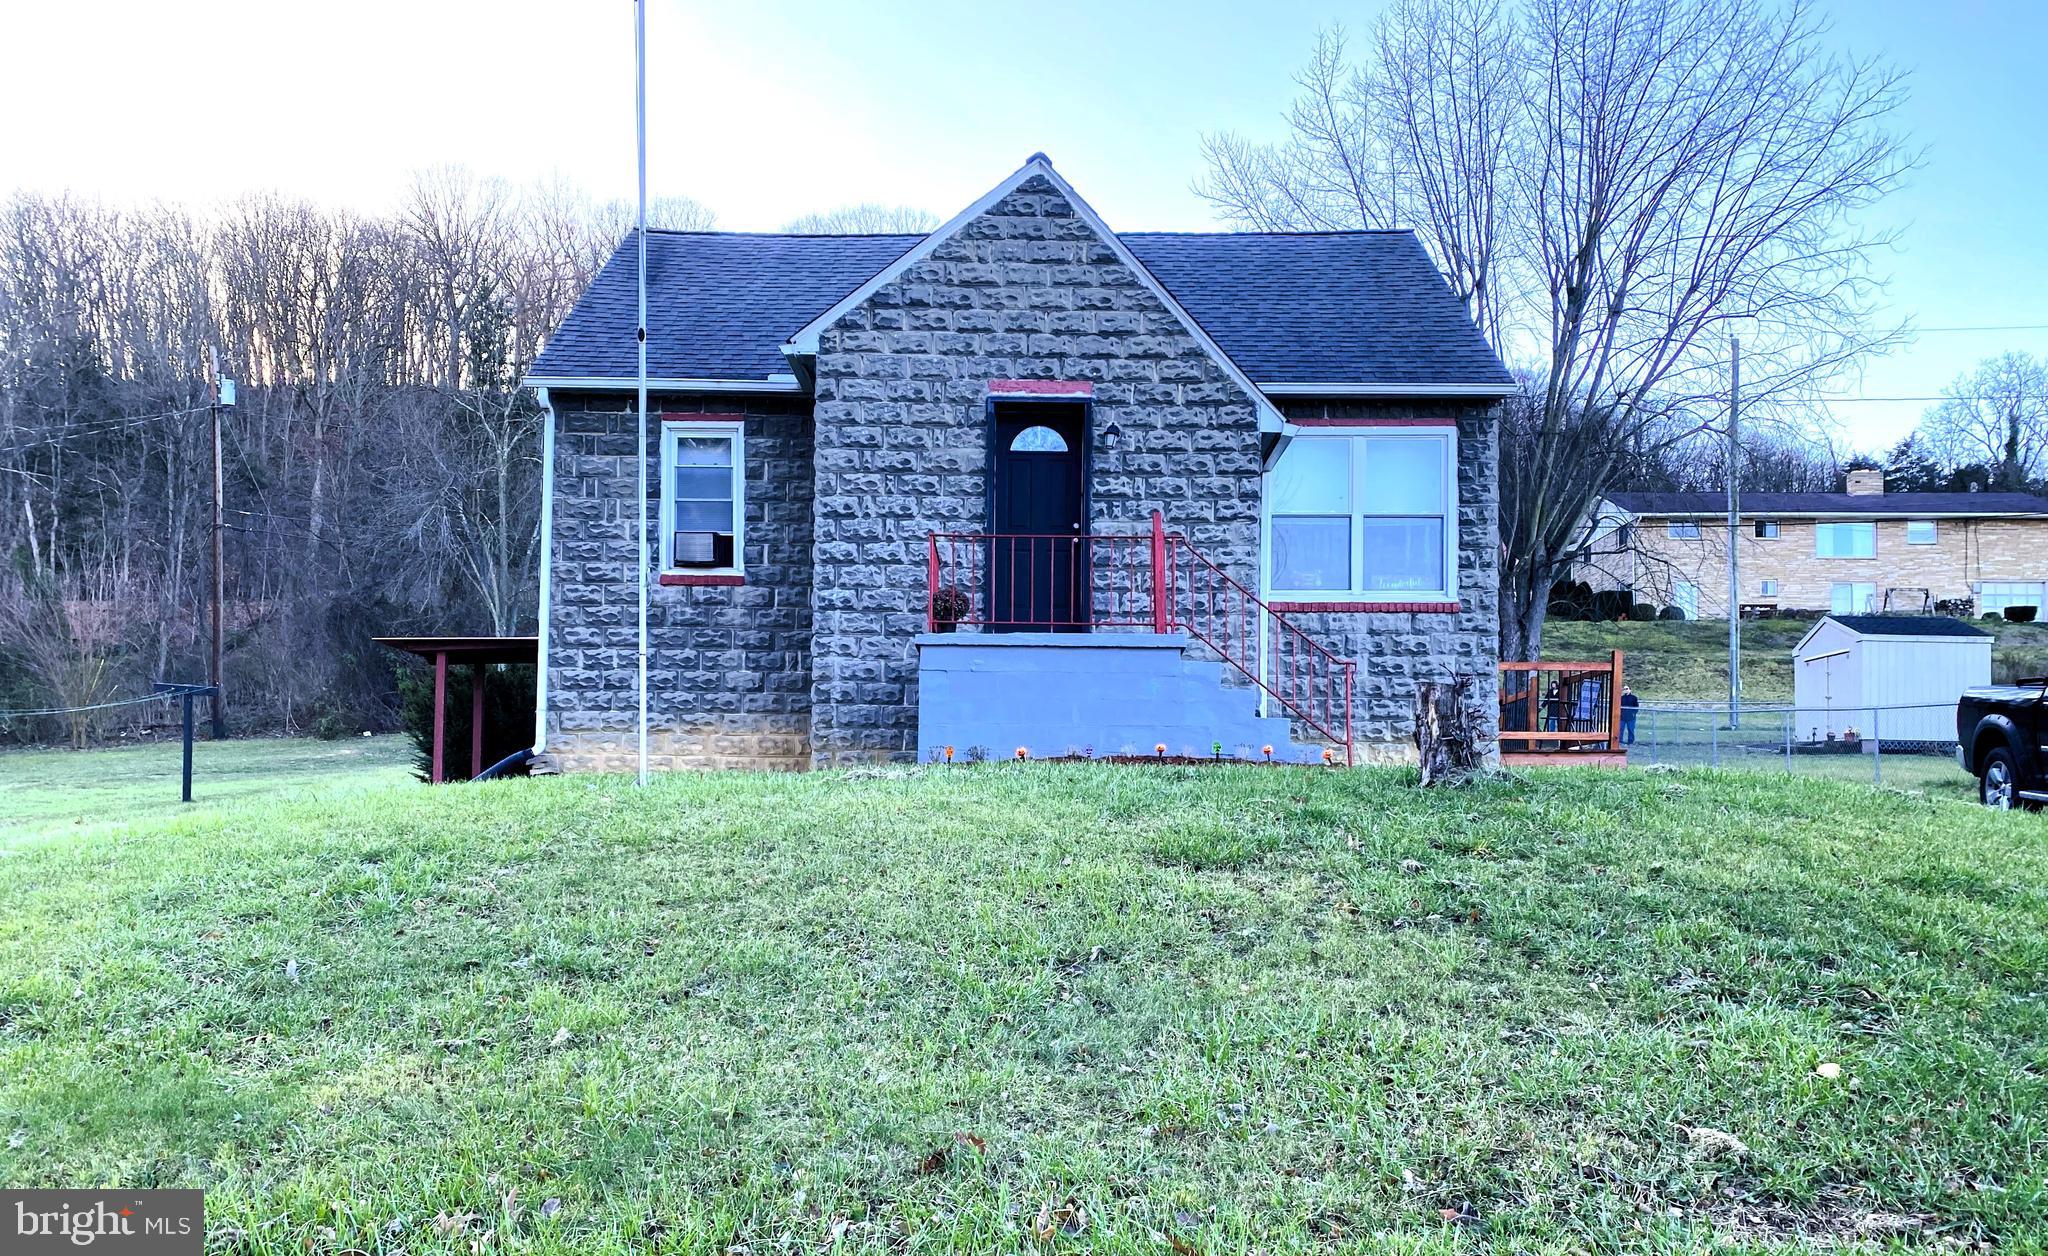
[[685, 578], [1412, 608]]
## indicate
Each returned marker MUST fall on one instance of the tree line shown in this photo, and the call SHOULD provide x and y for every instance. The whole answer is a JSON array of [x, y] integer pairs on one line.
[[380, 466]]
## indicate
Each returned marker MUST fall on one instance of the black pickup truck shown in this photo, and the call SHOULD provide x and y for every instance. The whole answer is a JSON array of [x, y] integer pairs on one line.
[[2002, 740]]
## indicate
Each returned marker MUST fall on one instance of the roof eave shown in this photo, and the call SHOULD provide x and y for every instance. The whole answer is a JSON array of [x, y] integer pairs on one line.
[[1472, 390], [606, 383]]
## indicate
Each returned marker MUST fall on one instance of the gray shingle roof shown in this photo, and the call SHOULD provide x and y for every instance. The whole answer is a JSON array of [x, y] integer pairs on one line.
[[1341, 307], [1908, 626], [719, 304], [1904, 504], [1348, 307]]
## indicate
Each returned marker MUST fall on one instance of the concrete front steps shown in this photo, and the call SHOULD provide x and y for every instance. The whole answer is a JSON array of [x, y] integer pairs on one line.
[[1103, 693]]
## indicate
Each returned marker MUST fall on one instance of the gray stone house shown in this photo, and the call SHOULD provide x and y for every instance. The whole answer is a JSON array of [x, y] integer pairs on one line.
[[1021, 483]]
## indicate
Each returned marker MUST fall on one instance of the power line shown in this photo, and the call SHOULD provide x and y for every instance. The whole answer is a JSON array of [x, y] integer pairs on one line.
[[99, 427], [1990, 327], [97, 706]]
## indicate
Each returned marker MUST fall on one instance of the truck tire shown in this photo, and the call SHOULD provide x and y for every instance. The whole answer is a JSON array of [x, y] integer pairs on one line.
[[1998, 780]]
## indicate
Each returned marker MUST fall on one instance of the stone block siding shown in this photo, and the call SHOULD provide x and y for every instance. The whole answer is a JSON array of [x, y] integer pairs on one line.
[[1025, 291], [728, 667], [1395, 651], [1964, 551]]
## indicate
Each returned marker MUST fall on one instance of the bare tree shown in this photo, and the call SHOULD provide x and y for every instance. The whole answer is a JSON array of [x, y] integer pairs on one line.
[[1642, 176], [866, 218], [1996, 415]]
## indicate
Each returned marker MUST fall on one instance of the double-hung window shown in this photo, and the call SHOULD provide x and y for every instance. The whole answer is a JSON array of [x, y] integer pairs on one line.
[[1845, 540], [1366, 515], [703, 474]]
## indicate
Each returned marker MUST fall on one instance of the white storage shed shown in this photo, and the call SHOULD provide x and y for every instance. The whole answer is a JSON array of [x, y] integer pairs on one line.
[[1852, 673]]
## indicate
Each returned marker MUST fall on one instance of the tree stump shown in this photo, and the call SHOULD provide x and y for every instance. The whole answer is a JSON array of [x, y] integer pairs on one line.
[[1448, 738]]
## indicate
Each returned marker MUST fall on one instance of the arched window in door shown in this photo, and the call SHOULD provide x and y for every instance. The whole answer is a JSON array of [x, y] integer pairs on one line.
[[1038, 440]]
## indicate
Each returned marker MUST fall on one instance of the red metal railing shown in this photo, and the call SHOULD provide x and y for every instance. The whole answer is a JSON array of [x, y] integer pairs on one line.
[[1559, 708], [1159, 582]]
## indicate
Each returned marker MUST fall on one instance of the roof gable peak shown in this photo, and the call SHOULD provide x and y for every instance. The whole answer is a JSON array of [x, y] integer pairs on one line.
[[805, 342]]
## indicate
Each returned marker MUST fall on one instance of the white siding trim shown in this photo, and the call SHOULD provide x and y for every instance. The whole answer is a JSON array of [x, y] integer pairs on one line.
[[547, 567], [601, 383]]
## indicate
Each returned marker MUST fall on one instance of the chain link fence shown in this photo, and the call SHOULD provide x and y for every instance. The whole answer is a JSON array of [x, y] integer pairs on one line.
[[1912, 747]]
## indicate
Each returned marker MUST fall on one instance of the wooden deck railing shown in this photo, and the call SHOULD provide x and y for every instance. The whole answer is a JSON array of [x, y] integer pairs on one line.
[[1561, 708]]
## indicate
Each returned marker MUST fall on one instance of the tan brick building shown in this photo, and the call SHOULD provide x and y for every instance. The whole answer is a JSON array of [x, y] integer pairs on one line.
[[1858, 551]]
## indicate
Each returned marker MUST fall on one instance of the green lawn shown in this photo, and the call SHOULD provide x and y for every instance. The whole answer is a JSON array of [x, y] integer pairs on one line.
[[52, 789], [1043, 1007], [1679, 661]]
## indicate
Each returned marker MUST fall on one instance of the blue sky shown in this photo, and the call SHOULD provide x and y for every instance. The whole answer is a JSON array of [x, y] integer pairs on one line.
[[765, 112]]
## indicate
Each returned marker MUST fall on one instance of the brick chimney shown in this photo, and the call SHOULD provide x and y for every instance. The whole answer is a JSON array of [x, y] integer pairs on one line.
[[1866, 483]]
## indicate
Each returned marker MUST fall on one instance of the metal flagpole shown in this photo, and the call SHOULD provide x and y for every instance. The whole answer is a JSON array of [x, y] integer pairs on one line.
[[1734, 531], [640, 234]]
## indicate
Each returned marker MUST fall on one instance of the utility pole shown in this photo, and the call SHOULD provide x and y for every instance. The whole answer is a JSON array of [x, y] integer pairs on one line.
[[223, 394], [1734, 531]]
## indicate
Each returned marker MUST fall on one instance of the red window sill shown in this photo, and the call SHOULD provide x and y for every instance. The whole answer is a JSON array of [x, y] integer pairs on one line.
[[1416, 608], [684, 578]]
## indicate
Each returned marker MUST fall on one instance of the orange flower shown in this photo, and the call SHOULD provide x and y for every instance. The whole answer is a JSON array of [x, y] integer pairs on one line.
[[1267, 751], [1023, 753], [1159, 749]]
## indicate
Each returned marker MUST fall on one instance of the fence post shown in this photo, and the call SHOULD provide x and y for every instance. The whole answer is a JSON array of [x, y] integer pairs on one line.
[[1714, 737], [1876, 750], [1653, 734], [1788, 741], [1160, 602], [1614, 704]]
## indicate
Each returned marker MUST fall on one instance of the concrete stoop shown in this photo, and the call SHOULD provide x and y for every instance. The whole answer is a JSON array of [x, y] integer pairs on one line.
[[1103, 693]]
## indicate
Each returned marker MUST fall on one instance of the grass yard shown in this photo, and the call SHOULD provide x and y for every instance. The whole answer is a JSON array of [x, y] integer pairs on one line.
[[41, 790], [1683, 661], [1044, 1007]]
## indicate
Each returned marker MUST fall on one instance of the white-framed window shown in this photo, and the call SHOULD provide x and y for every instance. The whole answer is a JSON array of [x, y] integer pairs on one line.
[[1993, 596], [1364, 513], [703, 497], [1767, 529], [1683, 529], [1919, 531], [1851, 598], [1767, 588], [1845, 540]]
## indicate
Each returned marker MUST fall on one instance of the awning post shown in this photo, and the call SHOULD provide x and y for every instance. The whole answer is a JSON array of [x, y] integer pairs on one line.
[[435, 776], [476, 719]]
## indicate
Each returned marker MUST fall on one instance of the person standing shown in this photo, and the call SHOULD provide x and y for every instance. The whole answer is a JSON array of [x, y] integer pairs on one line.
[[1629, 703]]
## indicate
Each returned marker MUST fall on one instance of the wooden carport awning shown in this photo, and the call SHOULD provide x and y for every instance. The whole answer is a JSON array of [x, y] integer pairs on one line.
[[478, 652]]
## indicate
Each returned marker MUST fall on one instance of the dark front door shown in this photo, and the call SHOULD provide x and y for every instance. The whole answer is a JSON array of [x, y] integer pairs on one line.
[[1037, 568]]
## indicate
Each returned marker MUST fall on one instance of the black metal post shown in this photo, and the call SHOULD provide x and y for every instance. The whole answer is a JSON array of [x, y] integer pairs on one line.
[[186, 693], [187, 795]]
